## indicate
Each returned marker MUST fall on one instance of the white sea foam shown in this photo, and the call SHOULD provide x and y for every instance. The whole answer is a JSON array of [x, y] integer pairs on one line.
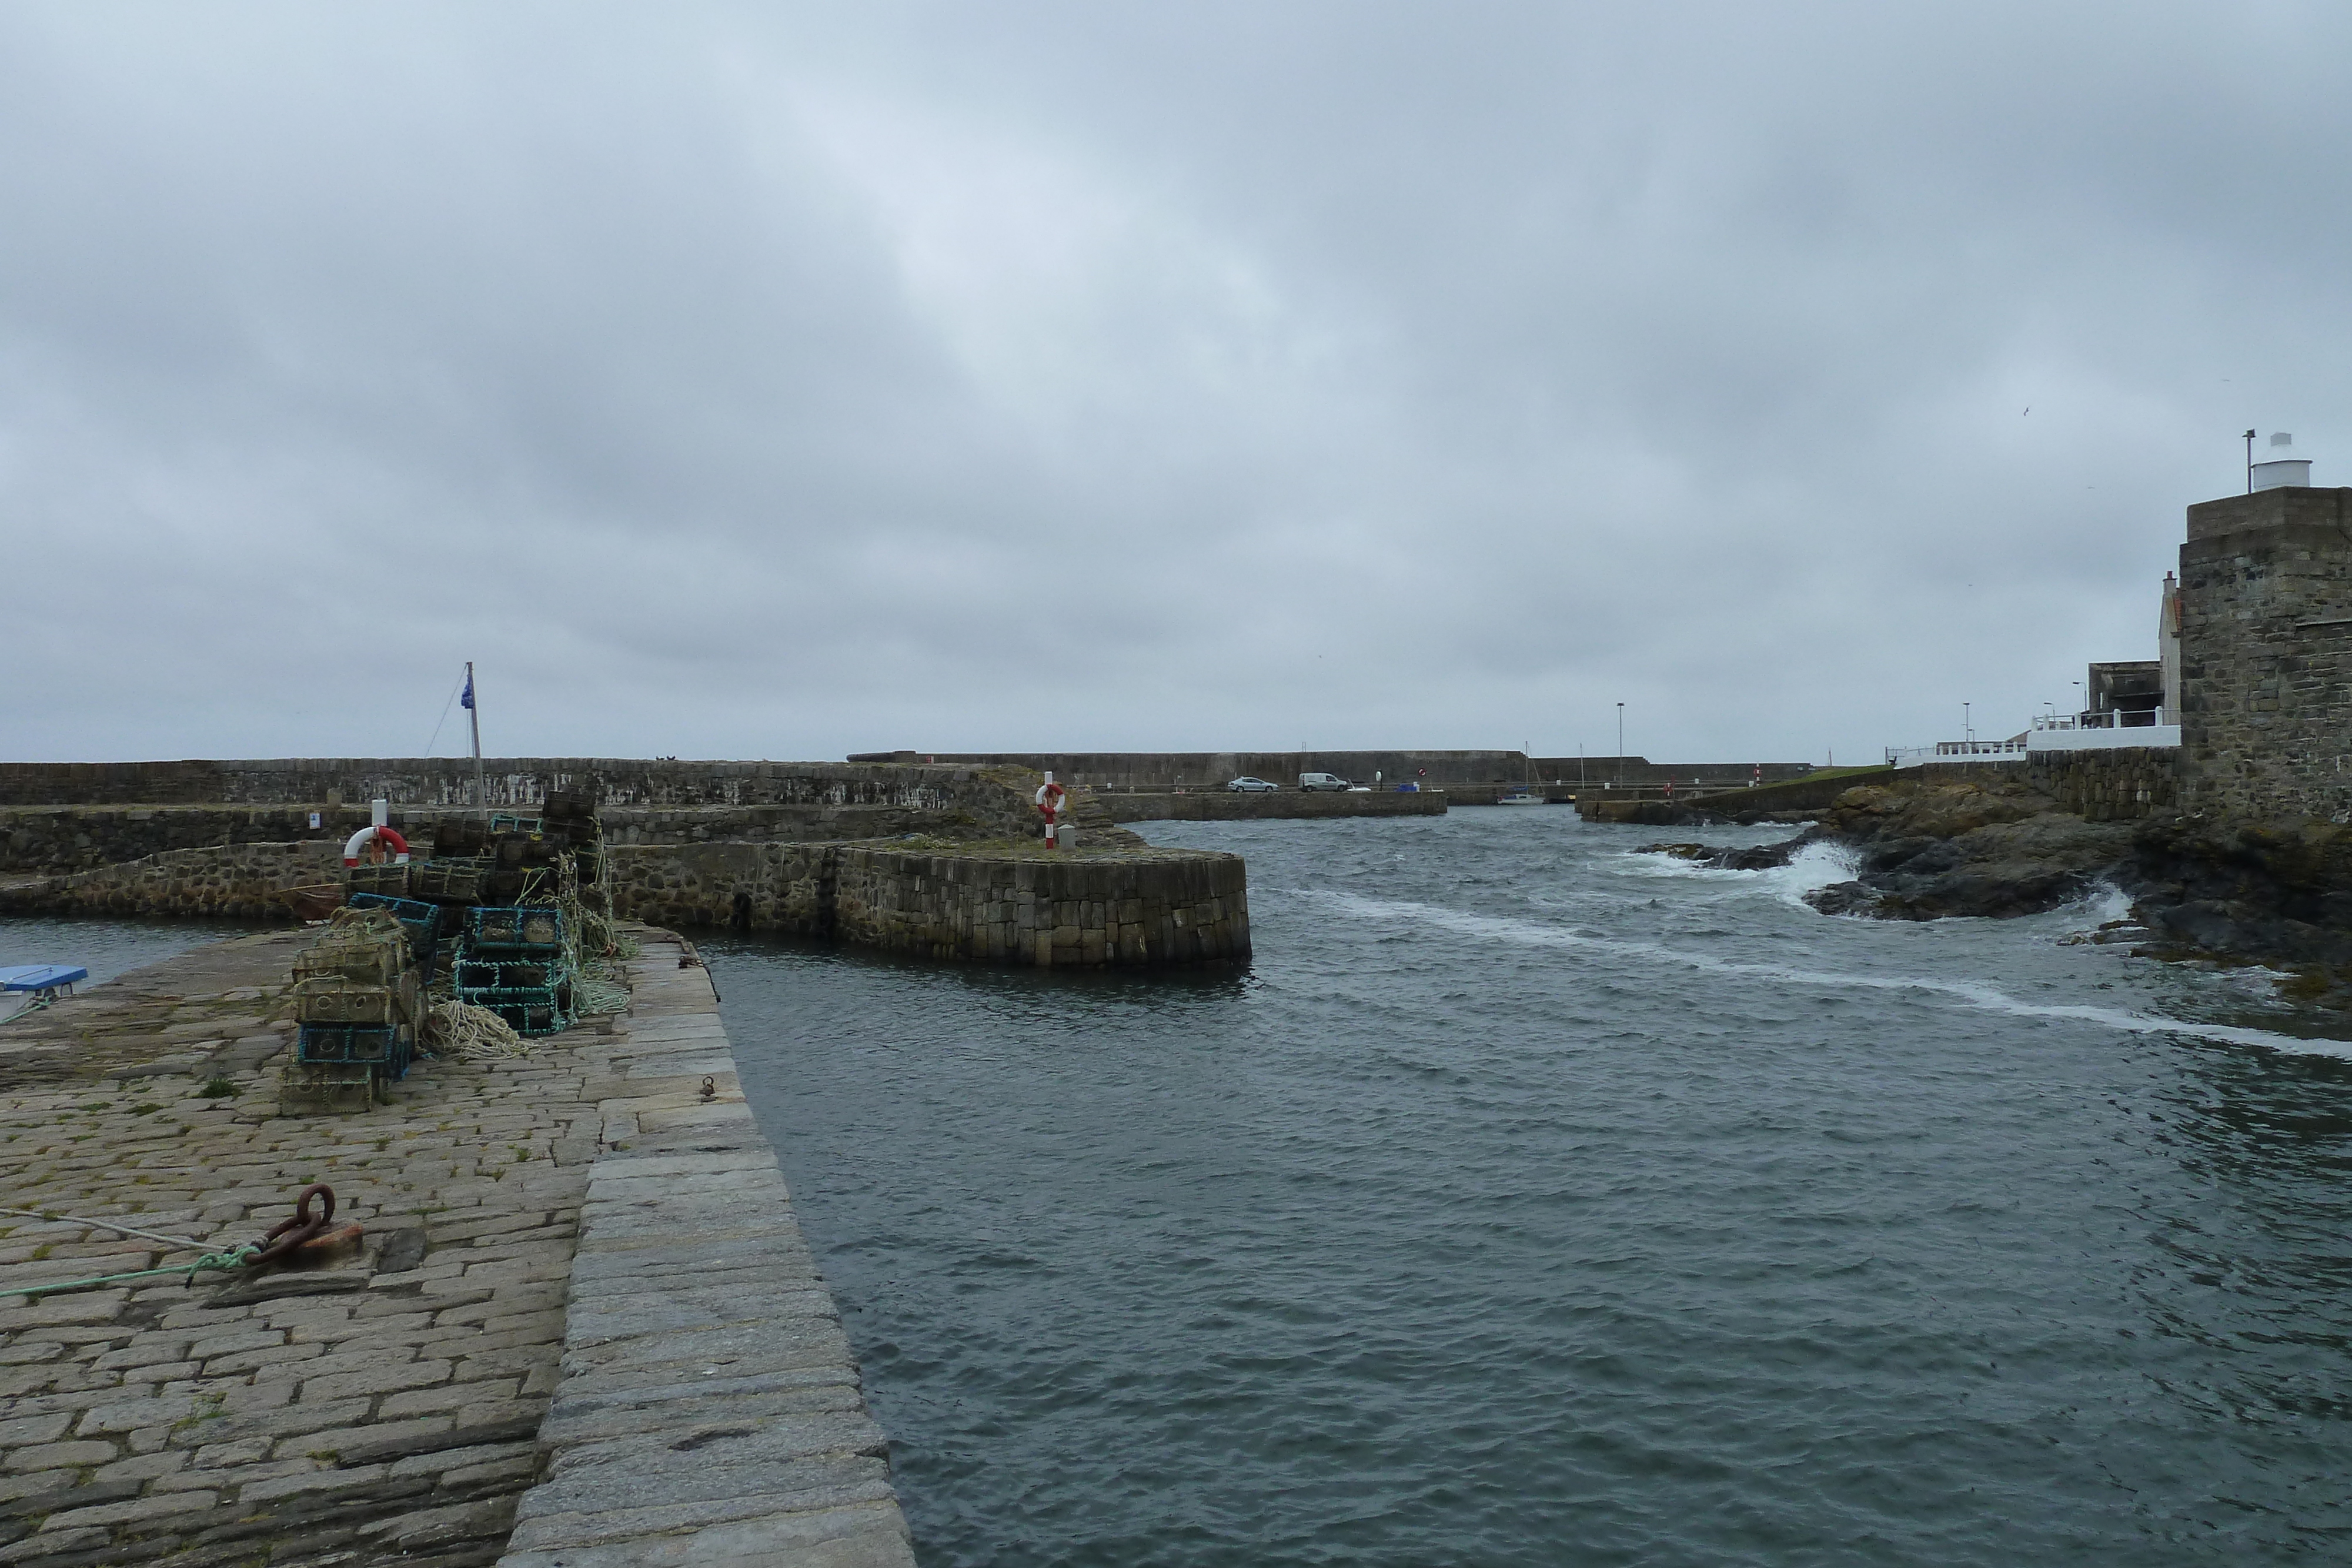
[[1972, 994], [1816, 866]]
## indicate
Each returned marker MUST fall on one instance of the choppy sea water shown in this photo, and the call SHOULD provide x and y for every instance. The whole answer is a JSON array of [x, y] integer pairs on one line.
[[1528, 1201]]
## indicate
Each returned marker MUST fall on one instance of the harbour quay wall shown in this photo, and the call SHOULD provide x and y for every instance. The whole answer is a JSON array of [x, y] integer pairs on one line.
[[235, 881], [82, 838], [513, 782], [57, 839], [1433, 769], [1115, 907], [1796, 795], [1233, 806]]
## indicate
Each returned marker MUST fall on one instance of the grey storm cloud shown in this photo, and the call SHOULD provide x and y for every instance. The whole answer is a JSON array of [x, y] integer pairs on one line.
[[785, 381]]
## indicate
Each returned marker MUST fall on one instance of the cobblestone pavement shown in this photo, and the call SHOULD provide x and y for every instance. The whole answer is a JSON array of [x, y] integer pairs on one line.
[[382, 1407]]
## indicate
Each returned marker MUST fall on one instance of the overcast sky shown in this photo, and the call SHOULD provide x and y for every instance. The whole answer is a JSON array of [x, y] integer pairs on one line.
[[784, 381]]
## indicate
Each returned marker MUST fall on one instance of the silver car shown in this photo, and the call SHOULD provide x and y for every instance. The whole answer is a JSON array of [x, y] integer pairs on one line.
[[1248, 785]]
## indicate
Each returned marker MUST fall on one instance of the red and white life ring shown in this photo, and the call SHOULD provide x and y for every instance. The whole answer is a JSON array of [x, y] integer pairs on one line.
[[1049, 799], [359, 841]]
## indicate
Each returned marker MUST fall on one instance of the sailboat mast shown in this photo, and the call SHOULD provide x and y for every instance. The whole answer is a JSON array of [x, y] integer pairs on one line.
[[474, 716]]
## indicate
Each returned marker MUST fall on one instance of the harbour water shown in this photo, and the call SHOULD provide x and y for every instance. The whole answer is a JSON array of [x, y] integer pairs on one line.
[[107, 947], [1531, 1201]]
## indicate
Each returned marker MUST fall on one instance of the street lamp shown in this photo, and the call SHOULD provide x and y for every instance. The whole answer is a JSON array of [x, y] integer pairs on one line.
[[1967, 729], [1620, 732]]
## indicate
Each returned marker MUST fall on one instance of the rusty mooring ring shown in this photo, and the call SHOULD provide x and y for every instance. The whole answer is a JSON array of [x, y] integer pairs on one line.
[[291, 1233]]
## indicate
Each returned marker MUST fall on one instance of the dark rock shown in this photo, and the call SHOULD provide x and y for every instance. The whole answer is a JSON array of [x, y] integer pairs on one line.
[[1843, 898], [1717, 857]]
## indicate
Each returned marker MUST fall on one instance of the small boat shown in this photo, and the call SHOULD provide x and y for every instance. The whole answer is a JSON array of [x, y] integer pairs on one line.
[[1524, 794], [315, 902], [26, 986]]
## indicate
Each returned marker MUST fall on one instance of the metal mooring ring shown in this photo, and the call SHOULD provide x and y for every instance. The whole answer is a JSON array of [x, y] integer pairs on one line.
[[291, 1233]]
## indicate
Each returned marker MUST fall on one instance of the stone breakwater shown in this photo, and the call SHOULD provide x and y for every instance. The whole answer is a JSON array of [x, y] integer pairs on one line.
[[1231, 806], [583, 1328], [1011, 903], [1111, 906]]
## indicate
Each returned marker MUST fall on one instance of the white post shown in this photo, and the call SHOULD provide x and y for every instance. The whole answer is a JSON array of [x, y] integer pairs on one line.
[[380, 813]]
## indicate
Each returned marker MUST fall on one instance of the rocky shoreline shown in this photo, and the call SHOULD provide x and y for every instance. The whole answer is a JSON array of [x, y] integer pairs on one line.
[[2273, 893]]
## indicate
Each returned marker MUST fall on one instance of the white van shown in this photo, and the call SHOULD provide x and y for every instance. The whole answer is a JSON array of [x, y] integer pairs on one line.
[[1321, 781]]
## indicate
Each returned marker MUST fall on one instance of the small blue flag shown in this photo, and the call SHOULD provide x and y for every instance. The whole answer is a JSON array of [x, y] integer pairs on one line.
[[468, 700]]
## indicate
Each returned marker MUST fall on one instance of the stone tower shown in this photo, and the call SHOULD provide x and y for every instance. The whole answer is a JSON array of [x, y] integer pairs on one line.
[[2265, 619]]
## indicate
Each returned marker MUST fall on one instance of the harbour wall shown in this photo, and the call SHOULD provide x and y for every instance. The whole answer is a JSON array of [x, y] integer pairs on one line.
[[513, 783], [57, 839], [1168, 769], [1232, 806], [1017, 905], [232, 880], [1111, 908], [2105, 785], [1771, 800]]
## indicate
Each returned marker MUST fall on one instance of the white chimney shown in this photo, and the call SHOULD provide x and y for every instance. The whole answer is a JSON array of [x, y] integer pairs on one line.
[[2282, 468]]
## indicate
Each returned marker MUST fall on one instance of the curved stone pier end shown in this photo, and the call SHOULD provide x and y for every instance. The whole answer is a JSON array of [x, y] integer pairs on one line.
[[709, 1412]]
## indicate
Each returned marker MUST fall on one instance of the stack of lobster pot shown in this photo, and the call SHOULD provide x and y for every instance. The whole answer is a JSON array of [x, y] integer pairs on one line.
[[518, 858], [357, 999], [517, 964]]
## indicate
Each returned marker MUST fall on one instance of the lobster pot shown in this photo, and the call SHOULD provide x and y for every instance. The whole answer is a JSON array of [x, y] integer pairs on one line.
[[476, 975], [456, 837], [339, 999], [520, 929], [528, 1010], [328, 1089], [569, 807], [382, 880], [370, 964], [347, 1043], [455, 880], [420, 920]]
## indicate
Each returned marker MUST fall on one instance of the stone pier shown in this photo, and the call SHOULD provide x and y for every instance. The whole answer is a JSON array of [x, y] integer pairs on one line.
[[582, 1225]]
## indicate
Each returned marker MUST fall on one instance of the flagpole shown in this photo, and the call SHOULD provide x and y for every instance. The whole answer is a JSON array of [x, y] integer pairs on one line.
[[473, 716]]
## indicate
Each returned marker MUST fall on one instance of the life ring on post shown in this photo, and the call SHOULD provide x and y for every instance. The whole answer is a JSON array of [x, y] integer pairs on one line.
[[1049, 805], [359, 841]]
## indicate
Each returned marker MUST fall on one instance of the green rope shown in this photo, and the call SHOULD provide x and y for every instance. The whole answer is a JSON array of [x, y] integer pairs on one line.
[[235, 1258]]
